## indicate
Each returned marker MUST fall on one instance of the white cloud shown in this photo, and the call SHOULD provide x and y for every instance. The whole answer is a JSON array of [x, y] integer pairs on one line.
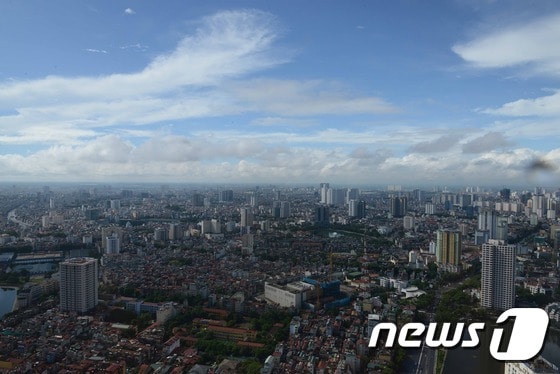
[[129, 11], [179, 85], [136, 46], [196, 80], [239, 158], [92, 50], [533, 45], [545, 106]]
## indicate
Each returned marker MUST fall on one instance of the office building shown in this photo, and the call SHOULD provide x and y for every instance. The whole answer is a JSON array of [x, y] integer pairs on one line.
[[398, 206], [498, 275], [78, 284], [448, 250]]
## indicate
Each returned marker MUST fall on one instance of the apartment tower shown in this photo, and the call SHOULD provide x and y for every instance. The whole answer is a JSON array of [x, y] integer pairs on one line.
[[78, 284], [498, 275], [448, 250]]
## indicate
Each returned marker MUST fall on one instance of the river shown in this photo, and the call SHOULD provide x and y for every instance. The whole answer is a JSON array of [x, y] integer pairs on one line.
[[478, 360], [7, 299]]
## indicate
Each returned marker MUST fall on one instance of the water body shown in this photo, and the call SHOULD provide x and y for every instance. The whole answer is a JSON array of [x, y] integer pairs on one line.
[[473, 360], [7, 298], [479, 360]]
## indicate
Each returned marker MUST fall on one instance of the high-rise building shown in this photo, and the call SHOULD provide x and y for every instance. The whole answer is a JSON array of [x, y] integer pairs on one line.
[[408, 222], [324, 187], [175, 231], [448, 250], [78, 284], [210, 227], [505, 194], [253, 200], [356, 209], [398, 206], [498, 275], [430, 208], [322, 215], [246, 217], [502, 228], [161, 234], [284, 209], [352, 194], [115, 204], [336, 196], [226, 196], [113, 244], [276, 208], [488, 220]]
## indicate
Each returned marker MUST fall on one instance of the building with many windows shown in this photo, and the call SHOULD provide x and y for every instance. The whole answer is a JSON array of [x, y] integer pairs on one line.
[[78, 284], [448, 250], [498, 275]]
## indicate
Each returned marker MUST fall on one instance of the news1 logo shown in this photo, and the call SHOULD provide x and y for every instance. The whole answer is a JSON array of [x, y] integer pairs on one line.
[[527, 337]]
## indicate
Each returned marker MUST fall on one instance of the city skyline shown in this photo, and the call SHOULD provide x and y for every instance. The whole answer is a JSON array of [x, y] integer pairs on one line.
[[446, 93]]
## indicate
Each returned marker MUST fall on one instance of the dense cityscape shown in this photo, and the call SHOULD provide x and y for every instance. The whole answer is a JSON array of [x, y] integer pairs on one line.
[[266, 279]]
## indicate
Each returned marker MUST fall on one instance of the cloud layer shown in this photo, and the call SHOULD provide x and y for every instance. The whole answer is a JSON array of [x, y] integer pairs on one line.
[[532, 45], [217, 108]]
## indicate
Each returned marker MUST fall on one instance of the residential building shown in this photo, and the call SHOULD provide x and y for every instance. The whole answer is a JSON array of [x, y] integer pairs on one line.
[[449, 250], [498, 275], [78, 284]]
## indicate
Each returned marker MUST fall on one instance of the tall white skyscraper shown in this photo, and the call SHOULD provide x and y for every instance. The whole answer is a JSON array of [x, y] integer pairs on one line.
[[498, 275], [78, 284]]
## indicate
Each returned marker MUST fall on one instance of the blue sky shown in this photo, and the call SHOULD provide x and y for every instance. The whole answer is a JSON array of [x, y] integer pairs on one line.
[[358, 92]]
